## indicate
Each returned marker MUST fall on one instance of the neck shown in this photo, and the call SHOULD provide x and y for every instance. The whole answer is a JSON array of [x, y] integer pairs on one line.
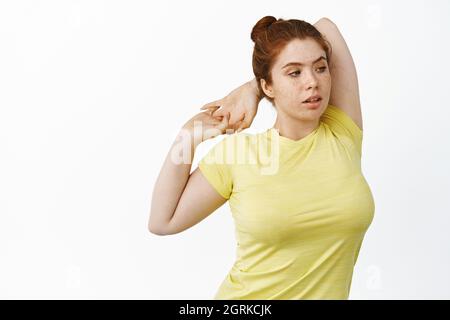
[[295, 129]]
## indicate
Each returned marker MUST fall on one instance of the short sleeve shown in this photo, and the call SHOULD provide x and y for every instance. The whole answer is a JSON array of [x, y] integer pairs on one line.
[[216, 168], [342, 125]]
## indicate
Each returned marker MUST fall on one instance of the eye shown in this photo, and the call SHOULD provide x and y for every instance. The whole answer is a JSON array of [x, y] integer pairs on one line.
[[322, 70]]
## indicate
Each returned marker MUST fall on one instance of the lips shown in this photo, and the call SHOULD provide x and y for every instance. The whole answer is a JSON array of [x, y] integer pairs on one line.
[[314, 98]]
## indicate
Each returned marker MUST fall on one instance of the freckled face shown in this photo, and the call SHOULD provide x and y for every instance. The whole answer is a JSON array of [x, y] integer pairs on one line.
[[293, 83]]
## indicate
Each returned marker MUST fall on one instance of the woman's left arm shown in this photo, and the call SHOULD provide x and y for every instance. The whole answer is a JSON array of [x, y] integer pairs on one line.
[[344, 80]]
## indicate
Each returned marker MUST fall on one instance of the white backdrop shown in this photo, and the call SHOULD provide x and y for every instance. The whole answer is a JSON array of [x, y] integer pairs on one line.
[[92, 94]]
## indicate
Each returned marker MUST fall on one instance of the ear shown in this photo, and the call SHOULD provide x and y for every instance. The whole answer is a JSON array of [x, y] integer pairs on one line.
[[268, 90]]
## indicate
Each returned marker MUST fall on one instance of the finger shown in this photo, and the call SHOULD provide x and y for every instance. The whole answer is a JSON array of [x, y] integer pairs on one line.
[[248, 119], [211, 110], [216, 121], [227, 128], [224, 123], [237, 125], [219, 112], [235, 118], [212, 104], [244, 123], [226, 119]]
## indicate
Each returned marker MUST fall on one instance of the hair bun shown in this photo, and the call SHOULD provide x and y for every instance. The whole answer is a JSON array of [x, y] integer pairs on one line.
[[261, 26]]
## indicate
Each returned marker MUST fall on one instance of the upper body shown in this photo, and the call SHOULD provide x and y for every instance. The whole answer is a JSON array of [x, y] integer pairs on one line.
[[300, 208], [300, 211]]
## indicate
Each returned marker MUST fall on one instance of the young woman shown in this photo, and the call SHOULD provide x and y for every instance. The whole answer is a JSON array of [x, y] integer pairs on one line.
[[302, 214]]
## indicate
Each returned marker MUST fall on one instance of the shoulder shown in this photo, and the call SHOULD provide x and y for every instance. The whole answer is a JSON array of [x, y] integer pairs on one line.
[[235, 148], [342, 126], [336, 117]]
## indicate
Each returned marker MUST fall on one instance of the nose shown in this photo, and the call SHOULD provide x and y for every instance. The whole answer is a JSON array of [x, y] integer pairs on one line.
[[311, 81]]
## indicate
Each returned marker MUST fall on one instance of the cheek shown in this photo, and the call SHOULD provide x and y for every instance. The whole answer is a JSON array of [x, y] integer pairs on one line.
[[326, 81], [289, 87], [284, 88]]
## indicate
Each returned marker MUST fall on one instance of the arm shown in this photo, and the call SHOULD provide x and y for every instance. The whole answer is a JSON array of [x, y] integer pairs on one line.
[[344, 81], [181, 200], [253, 84], [241, 104]]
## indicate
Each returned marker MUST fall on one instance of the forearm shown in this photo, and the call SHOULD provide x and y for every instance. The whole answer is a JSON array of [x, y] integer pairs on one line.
[[319, 25], [323, 26], [171, 181], [253, 84]]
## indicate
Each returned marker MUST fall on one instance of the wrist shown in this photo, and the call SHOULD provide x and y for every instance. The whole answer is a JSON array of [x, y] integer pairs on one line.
[[253, 85], [188, 137]]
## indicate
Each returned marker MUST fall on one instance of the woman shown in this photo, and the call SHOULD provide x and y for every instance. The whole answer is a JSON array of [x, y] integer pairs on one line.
[[300, 216]]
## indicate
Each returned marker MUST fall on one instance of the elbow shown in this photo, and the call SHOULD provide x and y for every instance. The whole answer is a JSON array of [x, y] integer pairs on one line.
[[155, 232], [327, 21], [155, 229]]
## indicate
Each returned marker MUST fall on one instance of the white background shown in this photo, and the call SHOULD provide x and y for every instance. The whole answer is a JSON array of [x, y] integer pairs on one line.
[[92, 94]]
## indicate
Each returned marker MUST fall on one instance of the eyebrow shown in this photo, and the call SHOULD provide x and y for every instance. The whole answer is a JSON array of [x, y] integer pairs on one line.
[[301, 64]]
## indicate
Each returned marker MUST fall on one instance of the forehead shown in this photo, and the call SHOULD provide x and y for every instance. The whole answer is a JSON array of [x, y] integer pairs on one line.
[[304, 51]]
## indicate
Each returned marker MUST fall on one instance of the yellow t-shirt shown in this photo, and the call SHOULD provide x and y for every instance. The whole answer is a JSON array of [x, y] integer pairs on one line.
[[300, 207]]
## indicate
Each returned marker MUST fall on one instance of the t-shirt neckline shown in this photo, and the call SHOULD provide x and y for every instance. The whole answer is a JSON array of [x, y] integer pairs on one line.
[[287, 141]]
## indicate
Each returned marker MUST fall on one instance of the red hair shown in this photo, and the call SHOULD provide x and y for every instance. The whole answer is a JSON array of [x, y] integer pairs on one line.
[[271, 36]]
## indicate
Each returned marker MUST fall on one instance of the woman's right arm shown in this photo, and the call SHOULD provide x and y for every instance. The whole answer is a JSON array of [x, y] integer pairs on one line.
[[180, 199]]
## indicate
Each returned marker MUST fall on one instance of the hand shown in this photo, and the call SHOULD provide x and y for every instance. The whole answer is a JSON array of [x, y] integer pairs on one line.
[[241, 104], [204, 126]]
